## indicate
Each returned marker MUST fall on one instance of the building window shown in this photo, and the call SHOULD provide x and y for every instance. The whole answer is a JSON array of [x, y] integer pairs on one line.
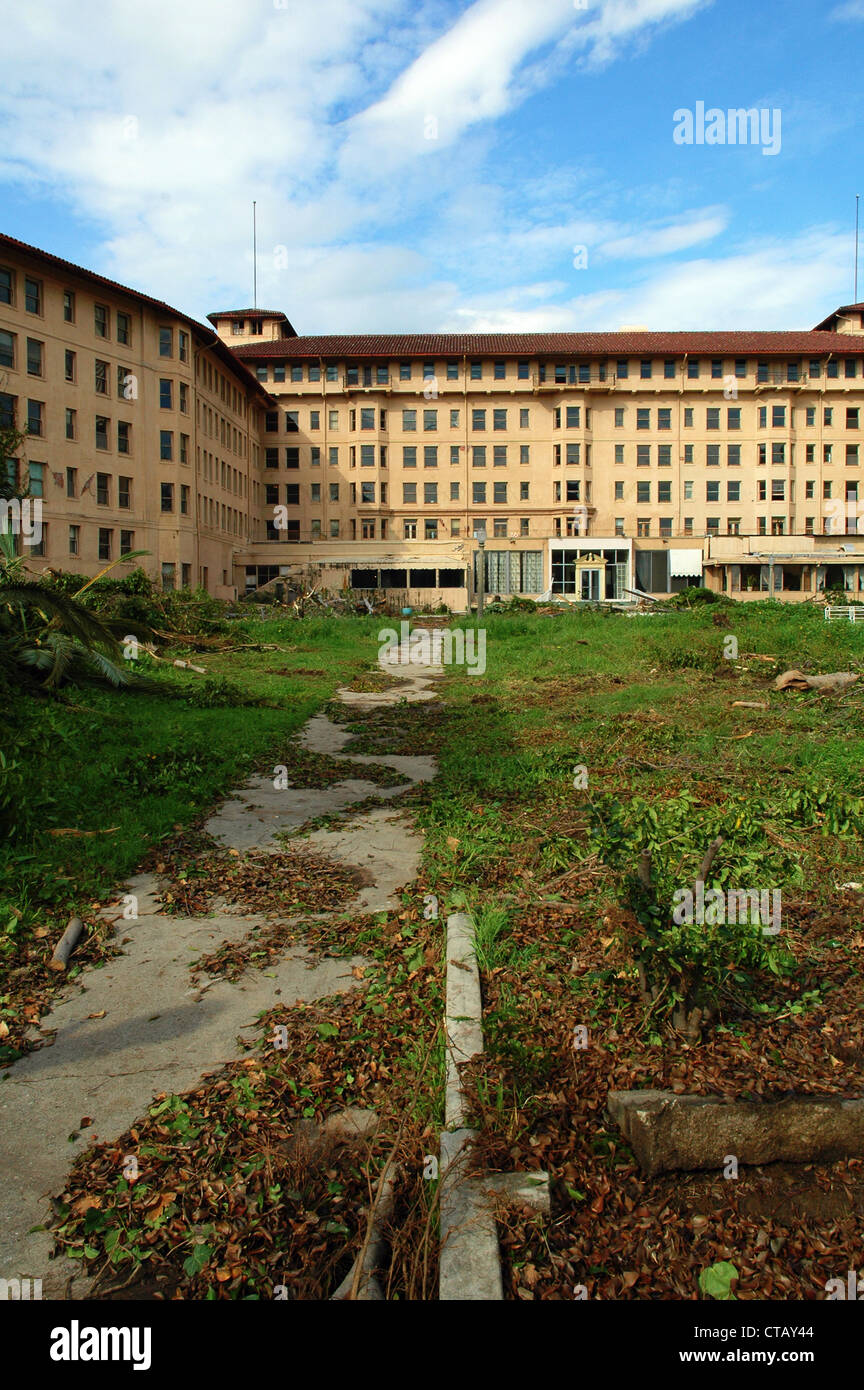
[[33, 296], [123, 437], [166, 342], [6, 285], [124, 335], [166, 445], [74, 539], [35, 479], [166, 493], [103, 489], [105, 536], [101, 321], [35, 359], [478, 455], [100, 384], [182, 345], [35, 417], [166, 393], [124, 493]]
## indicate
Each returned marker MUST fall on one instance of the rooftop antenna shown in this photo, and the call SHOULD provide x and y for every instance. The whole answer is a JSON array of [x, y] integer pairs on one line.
[[255, 256], [857, 203]]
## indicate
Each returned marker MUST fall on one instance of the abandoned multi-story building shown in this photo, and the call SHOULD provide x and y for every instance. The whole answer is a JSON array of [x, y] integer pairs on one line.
[[589, 465]]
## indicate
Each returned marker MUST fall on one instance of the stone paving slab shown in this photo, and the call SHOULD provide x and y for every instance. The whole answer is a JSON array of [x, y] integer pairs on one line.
[[160, 1032], [140, 1025]]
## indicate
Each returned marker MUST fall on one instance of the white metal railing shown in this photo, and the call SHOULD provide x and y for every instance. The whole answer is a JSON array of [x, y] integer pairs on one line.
[[851, 612]]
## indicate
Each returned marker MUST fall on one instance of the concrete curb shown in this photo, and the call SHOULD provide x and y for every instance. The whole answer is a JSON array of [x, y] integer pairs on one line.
[[463, 1019], [470, 1260]]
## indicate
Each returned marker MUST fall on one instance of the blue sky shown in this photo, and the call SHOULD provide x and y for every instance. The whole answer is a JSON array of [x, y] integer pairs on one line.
[[432, 164]]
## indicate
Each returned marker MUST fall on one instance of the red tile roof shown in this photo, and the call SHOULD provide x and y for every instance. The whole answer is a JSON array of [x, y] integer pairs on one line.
[[630, 343], [209, 338], [247, 313], [844, 309]]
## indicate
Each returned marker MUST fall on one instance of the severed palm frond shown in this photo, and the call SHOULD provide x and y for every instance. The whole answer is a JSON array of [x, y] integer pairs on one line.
[[30, 597]]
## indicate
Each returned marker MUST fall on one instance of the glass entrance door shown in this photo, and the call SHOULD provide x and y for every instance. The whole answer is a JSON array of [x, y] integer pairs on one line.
[[590, 585]]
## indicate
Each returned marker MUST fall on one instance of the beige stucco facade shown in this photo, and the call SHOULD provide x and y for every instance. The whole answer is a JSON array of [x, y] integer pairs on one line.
[[143, 431], [597, 464]]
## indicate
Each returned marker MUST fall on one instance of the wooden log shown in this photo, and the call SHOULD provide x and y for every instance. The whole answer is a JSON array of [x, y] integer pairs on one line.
[[66, 945]]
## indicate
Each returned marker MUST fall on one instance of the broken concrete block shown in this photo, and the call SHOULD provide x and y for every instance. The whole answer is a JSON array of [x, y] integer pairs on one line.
[[668, 1131], [524, 1189]]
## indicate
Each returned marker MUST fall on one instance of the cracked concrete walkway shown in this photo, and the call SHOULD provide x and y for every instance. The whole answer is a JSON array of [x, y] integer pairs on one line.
[[141, 1024]]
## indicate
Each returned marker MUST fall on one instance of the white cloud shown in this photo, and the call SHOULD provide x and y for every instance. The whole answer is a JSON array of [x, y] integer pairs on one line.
[[853, 9], [480, 68], [665, 241], [786, 284], [163, 132]]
